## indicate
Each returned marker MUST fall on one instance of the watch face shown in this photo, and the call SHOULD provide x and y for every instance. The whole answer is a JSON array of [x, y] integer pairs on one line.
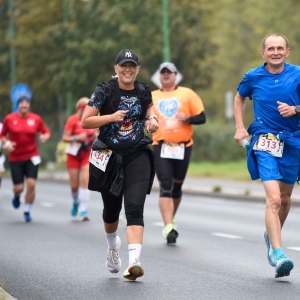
[[297, 109]]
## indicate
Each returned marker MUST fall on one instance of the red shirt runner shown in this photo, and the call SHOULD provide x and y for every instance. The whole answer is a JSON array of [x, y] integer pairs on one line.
[[23, 132]]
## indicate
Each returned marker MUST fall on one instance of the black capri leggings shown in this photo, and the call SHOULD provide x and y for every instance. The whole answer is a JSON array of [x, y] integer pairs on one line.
[[169, 169], [137, 170]]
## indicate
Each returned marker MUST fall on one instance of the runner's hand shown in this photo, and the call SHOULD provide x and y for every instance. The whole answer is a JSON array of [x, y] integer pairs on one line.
[[44, 137]]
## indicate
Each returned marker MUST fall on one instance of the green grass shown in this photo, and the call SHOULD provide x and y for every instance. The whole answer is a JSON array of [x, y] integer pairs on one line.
[[229, 170]]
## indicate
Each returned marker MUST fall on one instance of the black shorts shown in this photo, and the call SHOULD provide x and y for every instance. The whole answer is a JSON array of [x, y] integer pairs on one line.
[[21, 169]]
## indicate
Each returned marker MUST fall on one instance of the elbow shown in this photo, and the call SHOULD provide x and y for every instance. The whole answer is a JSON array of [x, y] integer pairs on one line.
[[84, 124]]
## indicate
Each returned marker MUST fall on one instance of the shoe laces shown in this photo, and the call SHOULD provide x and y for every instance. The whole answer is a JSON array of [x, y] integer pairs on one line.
[[281, 256], [113, 255]]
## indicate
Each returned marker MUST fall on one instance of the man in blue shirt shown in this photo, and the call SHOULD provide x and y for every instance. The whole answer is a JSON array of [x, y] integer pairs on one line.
[[274, 88]]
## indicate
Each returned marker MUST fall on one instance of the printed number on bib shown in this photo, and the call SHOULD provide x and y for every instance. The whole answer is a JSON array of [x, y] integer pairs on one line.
[[172, 150], [73, 148], [36, 160], [270, 143], [100, 158]]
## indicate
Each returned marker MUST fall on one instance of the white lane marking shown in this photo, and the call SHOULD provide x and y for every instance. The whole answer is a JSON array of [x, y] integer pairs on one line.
[[294, 248], [47, 204], [226, 235], [159, 224]]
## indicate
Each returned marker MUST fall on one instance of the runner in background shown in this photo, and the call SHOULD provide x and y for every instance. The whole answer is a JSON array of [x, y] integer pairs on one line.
[[18, 134], [78, 152], [177, 108], [2, 157]]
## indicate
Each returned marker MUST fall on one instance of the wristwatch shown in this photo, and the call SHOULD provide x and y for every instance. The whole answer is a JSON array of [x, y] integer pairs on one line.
[[297, 110]]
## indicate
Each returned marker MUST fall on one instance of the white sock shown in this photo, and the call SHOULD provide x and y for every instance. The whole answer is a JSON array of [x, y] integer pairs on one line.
[[83, 198], [75, 196], [134, 252], [112, 240], [27, 207]]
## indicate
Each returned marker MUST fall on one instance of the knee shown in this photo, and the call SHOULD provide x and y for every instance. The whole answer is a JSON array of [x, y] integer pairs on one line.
[[110, 217], [177, 191], [30, 184], [135, 215], [273, 202], [285, 201], [166, 186]]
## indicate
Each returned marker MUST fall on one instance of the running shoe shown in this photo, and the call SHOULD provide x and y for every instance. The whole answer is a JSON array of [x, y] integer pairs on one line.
[[16, 202], [113, 260], [174, 223], [167, 229], [84, 216], [134, 271], [270, 254], [74, 210], [172, 236], [27, 217], [283, 266]]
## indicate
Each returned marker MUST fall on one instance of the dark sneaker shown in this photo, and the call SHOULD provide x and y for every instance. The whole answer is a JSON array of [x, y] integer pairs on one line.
[[283, 266], [27, 217], [16, 202], [270, 255], [172, 236]]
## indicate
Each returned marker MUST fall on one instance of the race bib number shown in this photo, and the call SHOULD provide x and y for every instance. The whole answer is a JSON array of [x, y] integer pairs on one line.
[[100, 158], [270, 143], [36, 160], [73, 148], [172, 150]]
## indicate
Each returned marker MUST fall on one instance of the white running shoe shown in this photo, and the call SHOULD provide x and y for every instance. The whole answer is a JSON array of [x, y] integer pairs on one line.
[[113, 260], [134, 271]]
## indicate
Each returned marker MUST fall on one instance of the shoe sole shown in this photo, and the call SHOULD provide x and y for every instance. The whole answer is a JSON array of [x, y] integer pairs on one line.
[[172, 236], [134, 272], [84, 219], [284, 269], [267, 240]]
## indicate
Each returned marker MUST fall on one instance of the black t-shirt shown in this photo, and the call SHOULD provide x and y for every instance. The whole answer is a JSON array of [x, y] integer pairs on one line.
[[126, 134]]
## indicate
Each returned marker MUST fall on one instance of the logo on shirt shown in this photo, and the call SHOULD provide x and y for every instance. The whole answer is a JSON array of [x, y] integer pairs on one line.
[[276, 81], [30, 122], [168, 107]]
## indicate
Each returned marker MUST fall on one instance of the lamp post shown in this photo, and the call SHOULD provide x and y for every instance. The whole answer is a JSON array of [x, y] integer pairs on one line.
[[69, 102], [166, 42], [12, 47]]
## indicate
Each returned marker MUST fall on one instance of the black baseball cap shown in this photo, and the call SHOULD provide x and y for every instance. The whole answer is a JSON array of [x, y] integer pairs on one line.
[[127, 55]]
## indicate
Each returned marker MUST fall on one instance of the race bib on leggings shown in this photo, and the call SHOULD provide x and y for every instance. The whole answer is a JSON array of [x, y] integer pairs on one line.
[[172, 150]]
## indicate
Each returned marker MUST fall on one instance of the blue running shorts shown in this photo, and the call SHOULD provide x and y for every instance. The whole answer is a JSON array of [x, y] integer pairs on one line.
[[283, 168]]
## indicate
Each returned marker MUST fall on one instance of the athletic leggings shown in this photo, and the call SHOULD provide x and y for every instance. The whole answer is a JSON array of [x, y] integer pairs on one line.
[[169, 169], [137, 170]]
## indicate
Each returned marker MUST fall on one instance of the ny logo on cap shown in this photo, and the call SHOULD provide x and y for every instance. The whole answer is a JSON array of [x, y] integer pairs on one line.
[[128, 54]]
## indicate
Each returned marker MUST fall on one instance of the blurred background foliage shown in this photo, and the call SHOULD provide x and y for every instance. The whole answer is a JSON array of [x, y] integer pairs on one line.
[[213, 43]]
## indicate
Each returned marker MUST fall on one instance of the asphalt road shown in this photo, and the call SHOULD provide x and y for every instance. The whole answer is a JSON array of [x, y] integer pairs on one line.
[[220, 253]]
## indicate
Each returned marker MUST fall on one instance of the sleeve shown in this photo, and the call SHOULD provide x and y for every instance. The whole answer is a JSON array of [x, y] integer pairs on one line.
[[196, 104], [4, 129], [69, 126], [43, 128], [98, 97], [245, 86]]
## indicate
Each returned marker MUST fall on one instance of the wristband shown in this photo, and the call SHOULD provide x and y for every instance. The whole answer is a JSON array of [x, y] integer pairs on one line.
[[7, 144], [74, 138], [153, 117]]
